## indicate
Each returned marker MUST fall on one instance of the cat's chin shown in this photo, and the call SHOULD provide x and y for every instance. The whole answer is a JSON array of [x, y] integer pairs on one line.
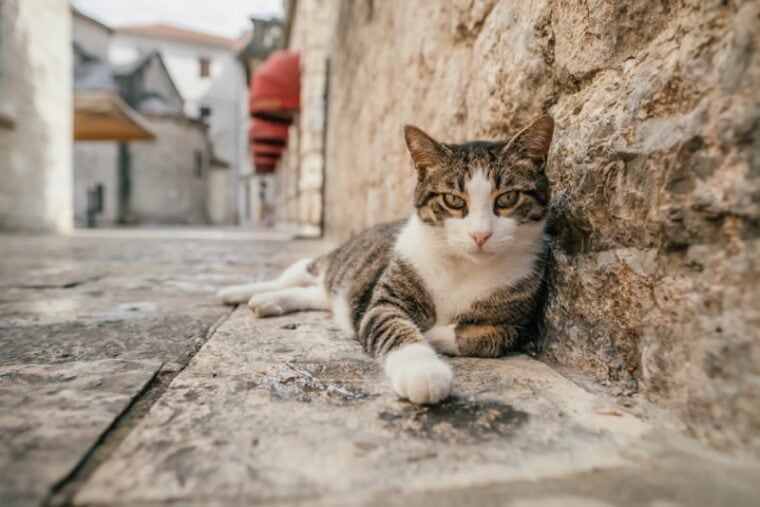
[[479, 256]]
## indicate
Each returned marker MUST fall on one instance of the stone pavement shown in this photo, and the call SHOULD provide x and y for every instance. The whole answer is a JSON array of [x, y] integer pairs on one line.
[[122, 382]]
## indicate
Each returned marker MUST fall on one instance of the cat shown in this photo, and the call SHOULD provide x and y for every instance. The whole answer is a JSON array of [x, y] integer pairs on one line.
[[463, 276]]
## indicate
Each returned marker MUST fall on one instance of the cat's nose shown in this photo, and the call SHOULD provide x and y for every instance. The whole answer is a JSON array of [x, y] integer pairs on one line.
[[480, 238]]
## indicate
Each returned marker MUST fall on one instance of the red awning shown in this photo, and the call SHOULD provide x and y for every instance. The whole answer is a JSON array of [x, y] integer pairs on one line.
[[261, 131], [266, 149], [259, 157], [265, 163], [276, 87], [265, 159]]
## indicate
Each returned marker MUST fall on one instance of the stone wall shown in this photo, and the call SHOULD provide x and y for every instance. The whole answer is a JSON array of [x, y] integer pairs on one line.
[[165, 187], [300, 176], [35, 115], [655, 171]]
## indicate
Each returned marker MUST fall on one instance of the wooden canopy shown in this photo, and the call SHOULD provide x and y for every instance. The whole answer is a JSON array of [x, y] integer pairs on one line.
[[104, 116]]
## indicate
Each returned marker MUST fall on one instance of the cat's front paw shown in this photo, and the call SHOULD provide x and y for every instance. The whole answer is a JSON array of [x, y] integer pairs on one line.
[[234, 295], [266, 305], [418, 374]]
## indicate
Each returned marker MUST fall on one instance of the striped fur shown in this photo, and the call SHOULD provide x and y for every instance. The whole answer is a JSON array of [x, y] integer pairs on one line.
[[462, 276]]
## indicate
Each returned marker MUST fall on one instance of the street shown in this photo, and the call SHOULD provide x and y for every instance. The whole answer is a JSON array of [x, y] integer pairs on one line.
[[123, 382]]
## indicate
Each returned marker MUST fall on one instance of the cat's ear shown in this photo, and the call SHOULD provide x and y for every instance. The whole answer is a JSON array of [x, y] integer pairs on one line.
[[425, 151], [533, 141]]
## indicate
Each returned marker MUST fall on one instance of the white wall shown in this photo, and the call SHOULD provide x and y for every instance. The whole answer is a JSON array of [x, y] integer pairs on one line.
[[217, 195], [36, 90]]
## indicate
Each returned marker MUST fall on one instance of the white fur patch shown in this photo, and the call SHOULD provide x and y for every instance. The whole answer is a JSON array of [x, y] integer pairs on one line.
[[443, 339], [341, 312], [418, 374], [456, 280], [297, 275], [291, 299]]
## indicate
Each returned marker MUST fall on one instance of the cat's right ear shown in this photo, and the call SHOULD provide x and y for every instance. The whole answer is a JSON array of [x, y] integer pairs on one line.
[[426, 152]]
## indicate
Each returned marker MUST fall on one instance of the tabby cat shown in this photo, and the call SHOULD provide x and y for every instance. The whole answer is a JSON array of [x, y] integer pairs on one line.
[[462, 276]]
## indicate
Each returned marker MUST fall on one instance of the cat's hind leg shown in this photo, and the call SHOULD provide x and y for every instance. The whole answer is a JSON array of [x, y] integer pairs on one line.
[[293, 299], [297, 275]]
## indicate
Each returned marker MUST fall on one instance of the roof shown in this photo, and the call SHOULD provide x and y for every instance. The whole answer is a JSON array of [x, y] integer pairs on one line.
[[170, 32], [82, 15], [128, 70], [94, 76], [91, 73], [103, 116]]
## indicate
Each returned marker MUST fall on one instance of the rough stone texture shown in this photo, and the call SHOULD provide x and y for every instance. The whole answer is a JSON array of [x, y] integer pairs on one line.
[[654, 170], [109, 294], [299, 178], [290, 411], [87, 320], [53, 414], [36, 96]]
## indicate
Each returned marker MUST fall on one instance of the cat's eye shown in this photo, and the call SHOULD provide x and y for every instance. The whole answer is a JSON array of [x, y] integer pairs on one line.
[[453, 201], [507, 199]]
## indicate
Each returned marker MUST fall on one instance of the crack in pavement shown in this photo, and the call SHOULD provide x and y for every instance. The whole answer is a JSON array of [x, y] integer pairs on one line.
[[65, 285], [62, 493]]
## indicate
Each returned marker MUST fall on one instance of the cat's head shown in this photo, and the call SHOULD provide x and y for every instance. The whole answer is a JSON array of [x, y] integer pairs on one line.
[[483, 198]]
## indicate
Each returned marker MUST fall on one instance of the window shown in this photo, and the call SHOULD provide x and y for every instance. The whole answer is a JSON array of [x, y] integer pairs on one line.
[[198, 164], [205, 113], [204, 67]]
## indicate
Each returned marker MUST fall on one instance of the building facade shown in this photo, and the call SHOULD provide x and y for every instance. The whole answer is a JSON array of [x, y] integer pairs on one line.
[[211, 80], [163, 179], [35, 115]]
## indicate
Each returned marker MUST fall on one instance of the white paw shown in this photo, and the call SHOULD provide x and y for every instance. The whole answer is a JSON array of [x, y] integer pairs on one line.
[[418, 374], [234, 295], [266, 305], [443, 339]]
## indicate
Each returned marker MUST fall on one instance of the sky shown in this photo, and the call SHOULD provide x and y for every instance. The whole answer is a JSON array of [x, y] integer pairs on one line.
[[221, 17]]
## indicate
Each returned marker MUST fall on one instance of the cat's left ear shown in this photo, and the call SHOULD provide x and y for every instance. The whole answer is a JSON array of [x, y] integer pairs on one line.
[[533, 141], [426, 152]]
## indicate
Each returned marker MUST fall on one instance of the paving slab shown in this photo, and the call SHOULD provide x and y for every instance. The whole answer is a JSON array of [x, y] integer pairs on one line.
[[52, 415], [126, 294], [69, 302], [289, 411]]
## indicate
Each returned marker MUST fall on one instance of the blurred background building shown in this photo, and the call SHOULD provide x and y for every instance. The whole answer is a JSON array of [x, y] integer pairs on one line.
[[212, 83], [160, 131], [36, 101]]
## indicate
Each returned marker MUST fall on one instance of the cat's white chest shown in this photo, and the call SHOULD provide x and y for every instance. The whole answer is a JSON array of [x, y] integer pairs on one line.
[[453, 294], [456, 288], [456, 285]]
